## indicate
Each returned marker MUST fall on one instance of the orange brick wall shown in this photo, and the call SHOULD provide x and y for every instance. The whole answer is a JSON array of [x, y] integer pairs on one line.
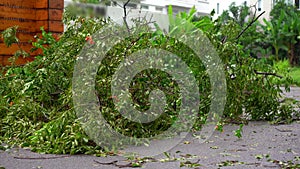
[[29, 16]]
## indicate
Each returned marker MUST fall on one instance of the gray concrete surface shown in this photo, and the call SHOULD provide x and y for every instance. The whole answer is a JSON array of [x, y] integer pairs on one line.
[[262, 146]]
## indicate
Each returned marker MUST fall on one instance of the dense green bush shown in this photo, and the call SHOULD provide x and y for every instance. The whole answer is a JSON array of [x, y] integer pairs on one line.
[[282, 32], [36, 99]]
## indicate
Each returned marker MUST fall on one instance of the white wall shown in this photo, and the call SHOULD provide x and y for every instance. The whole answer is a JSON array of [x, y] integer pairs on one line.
[[202, 6], [116, 15]]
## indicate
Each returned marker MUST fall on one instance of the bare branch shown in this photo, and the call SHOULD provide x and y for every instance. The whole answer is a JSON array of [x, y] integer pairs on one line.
[[124, 8], [250, 24], [41, 158], [116, 3], [254, 15], [267, 74], [125, 15], [118, 33]]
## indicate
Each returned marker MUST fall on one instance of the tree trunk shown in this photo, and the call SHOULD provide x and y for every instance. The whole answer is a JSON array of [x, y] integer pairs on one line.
[[297, 53], [291, 53], [276, 53]]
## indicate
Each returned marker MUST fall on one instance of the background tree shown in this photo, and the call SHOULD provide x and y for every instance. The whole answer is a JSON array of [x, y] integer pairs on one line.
[[252, 37], [283, 30]]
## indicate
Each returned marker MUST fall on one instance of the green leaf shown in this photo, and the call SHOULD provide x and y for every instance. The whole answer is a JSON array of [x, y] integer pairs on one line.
[[259, 156], [238, 132], [10, 36], [167, 154]]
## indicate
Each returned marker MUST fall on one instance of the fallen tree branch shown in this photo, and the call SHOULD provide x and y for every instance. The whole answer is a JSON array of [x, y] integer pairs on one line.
[[267, 74], [284, 130], [40, 158], [114, 163], [108, 163], [250, 24]]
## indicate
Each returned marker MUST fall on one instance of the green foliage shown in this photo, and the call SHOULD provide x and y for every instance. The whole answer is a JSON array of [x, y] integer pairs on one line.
[[274, 35], [248, 92], [295, 74], [235, 13], [282, 32], [284, 66], [238, 132], [241, 17], [36, 99], [282, 5], [9, 36], [147, 81]]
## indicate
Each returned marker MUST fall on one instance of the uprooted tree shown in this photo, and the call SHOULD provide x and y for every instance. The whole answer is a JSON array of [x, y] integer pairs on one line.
[[36, 99]]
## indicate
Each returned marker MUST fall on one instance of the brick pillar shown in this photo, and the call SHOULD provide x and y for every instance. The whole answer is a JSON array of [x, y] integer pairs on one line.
[[29, 16]]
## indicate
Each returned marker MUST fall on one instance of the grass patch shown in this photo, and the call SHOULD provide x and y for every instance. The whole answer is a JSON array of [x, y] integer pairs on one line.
[[294, 72]]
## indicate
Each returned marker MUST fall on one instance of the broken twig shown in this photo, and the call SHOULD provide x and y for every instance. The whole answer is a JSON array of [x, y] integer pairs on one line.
[[250, 24], [267, 74], [40, 158]]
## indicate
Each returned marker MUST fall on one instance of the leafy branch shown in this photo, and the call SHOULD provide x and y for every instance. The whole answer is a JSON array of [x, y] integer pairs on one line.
[[10, 37]]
